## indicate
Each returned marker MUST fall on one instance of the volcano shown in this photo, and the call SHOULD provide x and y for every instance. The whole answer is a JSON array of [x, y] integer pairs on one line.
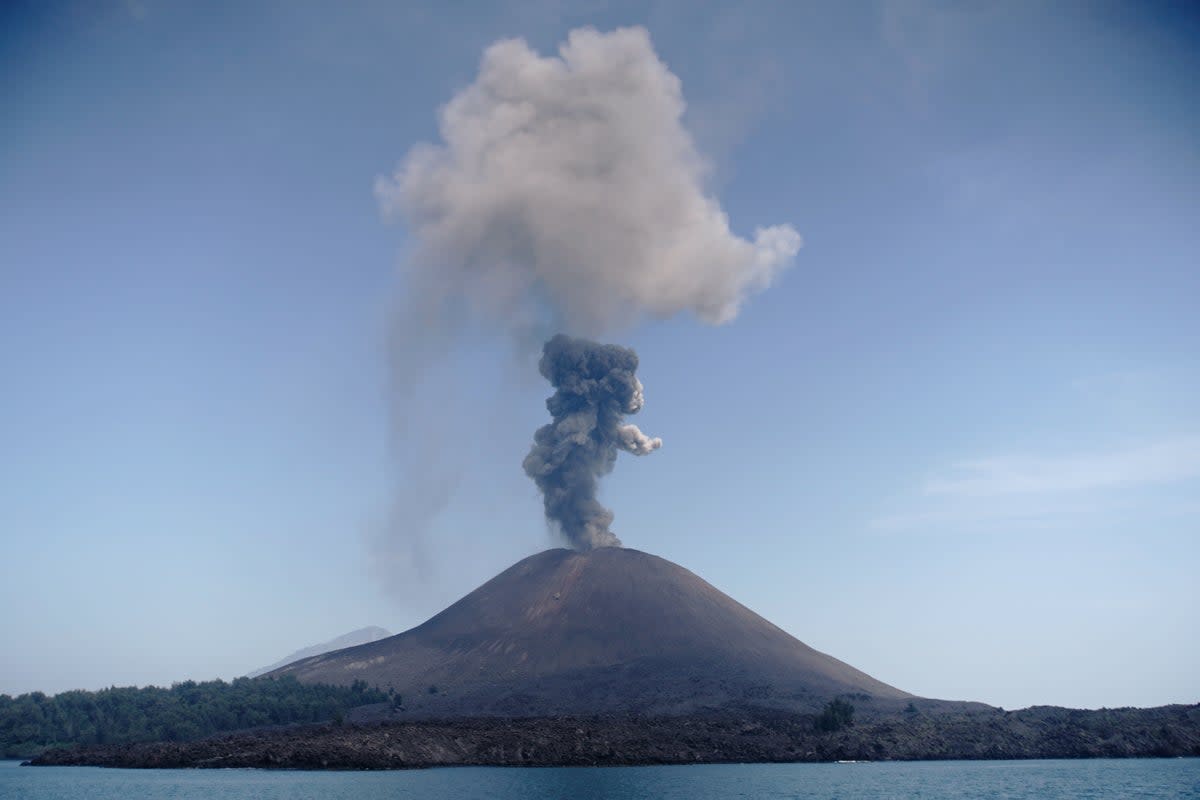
[[611, 630]]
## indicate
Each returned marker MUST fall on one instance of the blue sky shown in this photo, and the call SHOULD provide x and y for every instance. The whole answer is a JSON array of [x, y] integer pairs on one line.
[[956, 444]]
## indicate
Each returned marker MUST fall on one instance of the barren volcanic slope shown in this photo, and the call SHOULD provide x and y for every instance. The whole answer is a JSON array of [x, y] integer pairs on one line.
[[611, 630]]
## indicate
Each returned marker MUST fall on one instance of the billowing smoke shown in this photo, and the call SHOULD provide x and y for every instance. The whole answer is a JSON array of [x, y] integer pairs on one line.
[[567, 195], [595, 387]]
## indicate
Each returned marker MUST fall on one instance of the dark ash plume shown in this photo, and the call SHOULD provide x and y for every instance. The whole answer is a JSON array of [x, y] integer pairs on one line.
[[595, 388], [562, 193]]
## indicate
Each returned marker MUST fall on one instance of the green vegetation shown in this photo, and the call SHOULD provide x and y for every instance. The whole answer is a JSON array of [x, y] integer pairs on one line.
[[33, 722], [836, 715]]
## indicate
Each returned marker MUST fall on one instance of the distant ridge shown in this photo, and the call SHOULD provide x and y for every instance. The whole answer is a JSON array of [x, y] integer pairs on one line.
[[610, 630], [371, 633]]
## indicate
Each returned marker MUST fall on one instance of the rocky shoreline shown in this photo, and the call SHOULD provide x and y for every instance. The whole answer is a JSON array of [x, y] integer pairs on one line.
[[751, 736]]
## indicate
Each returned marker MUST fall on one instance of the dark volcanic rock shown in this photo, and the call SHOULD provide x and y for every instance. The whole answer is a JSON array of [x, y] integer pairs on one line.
[[608, 631], [613, 740]]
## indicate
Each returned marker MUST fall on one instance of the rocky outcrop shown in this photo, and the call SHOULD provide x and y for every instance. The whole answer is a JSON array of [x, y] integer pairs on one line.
[[752, 736]]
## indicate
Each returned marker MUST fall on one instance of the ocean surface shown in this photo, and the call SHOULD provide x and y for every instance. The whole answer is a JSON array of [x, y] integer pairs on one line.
[[928, 780]]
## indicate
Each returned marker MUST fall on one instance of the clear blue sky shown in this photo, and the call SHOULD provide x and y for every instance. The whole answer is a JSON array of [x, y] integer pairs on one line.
[[956, 445]]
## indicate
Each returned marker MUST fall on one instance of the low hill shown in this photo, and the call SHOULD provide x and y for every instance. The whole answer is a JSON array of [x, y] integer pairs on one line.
[[366, 635]]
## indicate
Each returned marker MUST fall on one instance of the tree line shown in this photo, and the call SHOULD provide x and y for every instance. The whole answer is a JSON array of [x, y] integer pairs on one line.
[[30, 723]]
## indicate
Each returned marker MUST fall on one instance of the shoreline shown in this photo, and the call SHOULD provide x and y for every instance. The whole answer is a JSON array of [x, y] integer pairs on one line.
[[745, 737]]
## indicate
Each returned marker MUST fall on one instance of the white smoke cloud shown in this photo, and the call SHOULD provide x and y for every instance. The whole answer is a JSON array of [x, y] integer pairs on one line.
[[632, 440], [566, 194]]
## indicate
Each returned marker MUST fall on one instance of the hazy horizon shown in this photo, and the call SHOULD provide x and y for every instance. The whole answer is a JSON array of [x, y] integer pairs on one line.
[[955, 444]]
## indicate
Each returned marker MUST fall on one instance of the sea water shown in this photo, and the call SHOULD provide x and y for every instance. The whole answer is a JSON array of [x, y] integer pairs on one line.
[[1099, 779]]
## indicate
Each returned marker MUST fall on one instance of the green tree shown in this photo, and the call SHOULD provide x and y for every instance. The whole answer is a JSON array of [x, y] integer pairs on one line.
[[836, 715], [30, 723]]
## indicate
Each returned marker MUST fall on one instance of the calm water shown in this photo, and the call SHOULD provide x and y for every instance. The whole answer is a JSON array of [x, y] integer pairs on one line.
[[931, 780]]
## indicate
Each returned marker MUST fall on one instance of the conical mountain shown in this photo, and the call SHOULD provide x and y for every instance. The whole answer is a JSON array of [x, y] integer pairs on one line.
[[610, 630]]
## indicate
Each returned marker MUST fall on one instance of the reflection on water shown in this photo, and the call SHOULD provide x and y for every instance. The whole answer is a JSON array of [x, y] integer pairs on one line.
[[932, 780]]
